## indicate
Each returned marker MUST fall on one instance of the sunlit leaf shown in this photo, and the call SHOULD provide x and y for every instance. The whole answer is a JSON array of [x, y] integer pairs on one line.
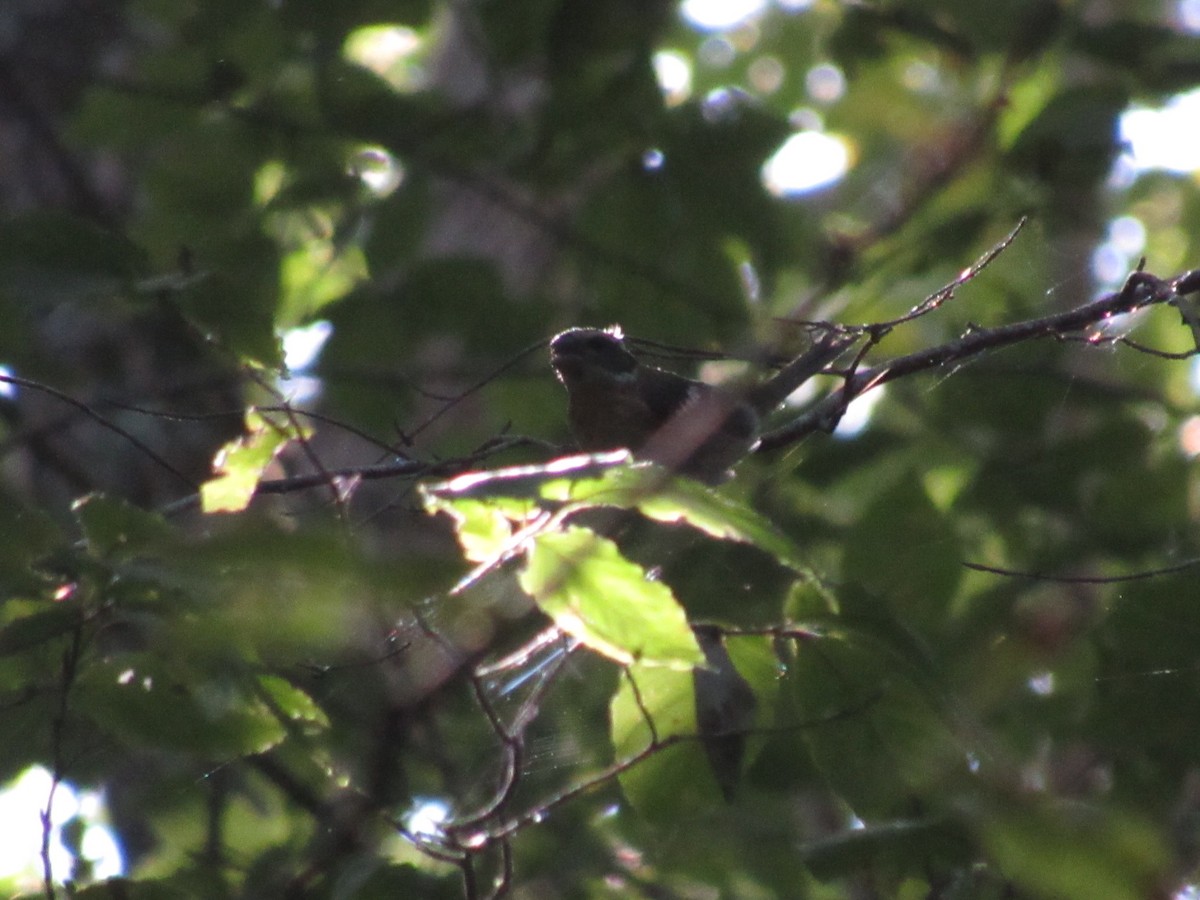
[[650, 490], [315, 275], [484, 527], [715, 513], [654, 703], [241, 462], [674, 778], [592, 592], [293, 703], [551, 480]]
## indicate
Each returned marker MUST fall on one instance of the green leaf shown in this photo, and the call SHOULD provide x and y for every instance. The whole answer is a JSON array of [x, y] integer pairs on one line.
[[236, 303], [552, 481], [1146, 715], [1077, 853], [672, 779], [905, 552], [293, 703], [29, 534], [1074, 139], [610, 604], [145, 701], [129, 889], [672, 784], [903, 846], [1161, 57], [58, 246], [484, 529], [879, 737], [1020, 28], [656, 495], [718, 515], [114, 527], [286, 595], [386, 882], [242, 461], [28, 631], [484, 524], [314, 276]]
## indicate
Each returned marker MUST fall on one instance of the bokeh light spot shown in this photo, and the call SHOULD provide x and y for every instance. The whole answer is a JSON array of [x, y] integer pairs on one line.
[[806, 161], [825, 83], [721, 15]]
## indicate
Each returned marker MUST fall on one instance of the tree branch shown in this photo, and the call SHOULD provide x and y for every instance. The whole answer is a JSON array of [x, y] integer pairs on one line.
[[1140, 290]]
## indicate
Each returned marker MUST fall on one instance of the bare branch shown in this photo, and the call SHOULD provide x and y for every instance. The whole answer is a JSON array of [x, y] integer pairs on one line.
[[1140, 290]]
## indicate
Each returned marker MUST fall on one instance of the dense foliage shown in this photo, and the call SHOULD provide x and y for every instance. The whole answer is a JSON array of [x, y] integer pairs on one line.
[[946, 653]]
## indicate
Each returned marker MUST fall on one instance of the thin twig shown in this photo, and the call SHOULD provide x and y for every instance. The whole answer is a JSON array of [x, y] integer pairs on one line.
[[1085, 579], [940, 296], [475, 388], [99, 420]]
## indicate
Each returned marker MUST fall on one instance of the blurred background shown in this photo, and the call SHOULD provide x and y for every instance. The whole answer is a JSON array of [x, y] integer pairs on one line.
[[357, 213]]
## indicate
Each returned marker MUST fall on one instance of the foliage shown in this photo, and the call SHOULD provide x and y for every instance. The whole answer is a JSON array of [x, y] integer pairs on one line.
[[396, 641]]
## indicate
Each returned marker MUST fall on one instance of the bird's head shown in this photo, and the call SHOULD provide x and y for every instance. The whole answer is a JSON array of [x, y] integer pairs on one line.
[[592, 356]]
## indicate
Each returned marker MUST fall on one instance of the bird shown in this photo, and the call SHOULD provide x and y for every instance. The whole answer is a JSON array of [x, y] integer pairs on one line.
[[614, 400]]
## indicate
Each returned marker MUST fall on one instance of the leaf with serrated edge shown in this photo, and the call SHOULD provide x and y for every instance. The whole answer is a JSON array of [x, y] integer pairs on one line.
[[672, 500], [592, 592]]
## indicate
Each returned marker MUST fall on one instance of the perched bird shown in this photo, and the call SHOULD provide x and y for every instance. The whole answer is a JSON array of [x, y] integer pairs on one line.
[[698, 429]]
